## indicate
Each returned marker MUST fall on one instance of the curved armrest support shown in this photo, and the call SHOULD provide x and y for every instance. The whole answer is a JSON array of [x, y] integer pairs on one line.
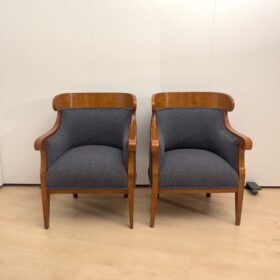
[[131, 153], [245, 142], [132, 134], [154, 136], [157, 150], [40, 142], [157, 142], [129, 145]]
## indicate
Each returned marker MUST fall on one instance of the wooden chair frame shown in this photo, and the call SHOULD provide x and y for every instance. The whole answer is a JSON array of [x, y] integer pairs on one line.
[[89, 100], [196, 100]]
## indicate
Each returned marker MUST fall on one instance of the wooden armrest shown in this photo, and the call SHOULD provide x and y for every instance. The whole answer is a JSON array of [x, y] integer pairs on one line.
[[40, 141], [245, 142], [132, 134], [154, 135]]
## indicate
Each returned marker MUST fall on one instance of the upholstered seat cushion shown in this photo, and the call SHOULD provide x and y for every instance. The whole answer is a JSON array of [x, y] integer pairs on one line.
[[196, 128], [196, 168], [90, 126], [87, 167]]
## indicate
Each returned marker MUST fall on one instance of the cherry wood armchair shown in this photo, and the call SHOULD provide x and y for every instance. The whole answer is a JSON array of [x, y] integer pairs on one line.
[[194, 149], [90, 149]]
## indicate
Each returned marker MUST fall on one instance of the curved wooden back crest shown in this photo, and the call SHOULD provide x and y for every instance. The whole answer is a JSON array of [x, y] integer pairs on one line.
[[94, 100], [209, 100]]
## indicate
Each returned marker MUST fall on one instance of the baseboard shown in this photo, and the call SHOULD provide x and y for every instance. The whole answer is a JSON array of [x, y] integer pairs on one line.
[[270, 187], [138, 186], [21, 185], [38, 185]]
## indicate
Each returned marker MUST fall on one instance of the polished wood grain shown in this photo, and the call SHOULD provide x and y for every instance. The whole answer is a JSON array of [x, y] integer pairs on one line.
[[155, 166], [192, 100], [154, 135], [197, 100], [89, 100], [131, 167], [40, 142], [88, 238], [132, 134], [245, 142]]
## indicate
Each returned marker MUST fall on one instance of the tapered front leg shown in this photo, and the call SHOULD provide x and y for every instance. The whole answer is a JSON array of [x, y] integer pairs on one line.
[[240, 192], [238, 205], [46, 208], [131, 186], [154, 203], [155, 170], [130, 207]]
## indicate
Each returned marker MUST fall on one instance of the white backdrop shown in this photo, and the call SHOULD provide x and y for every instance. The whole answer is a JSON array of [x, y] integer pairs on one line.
[[138, 46]]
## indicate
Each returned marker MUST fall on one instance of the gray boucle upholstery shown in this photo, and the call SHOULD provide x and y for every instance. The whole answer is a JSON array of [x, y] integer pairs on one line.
[[195, 168], [196, 129], [94, 126], [92, 166], [196, 150]]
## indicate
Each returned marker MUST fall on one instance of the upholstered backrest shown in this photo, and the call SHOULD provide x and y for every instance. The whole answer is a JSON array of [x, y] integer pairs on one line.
[[96, 126], [196, 128], [89, 126], [189, 128]]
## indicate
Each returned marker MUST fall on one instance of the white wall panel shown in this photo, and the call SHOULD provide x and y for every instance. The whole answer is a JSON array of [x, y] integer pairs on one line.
[[48, 47], [246, 64], [186, 44], [45, 49]]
